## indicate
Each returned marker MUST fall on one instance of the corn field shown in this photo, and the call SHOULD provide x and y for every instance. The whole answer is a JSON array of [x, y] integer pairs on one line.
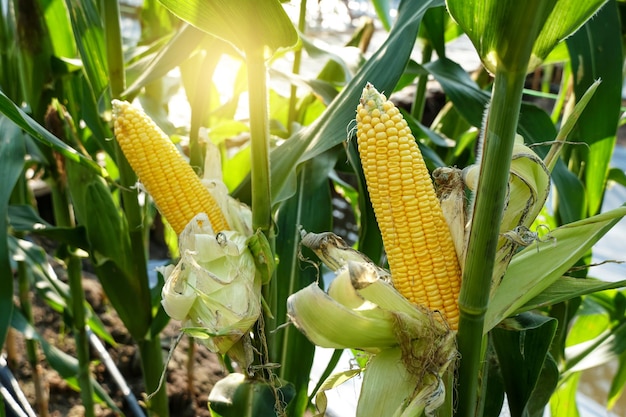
[[461, 285]]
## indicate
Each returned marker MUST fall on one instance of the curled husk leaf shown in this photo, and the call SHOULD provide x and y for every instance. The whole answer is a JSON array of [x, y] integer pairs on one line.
[[213, 289], [527, 192], [410, 348]]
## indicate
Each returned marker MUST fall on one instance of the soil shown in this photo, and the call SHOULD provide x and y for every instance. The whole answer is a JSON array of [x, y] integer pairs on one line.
[[187, 396]]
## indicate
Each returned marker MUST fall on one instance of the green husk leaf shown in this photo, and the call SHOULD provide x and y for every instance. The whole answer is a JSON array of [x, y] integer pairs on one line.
[[235, 396], [329, 324]]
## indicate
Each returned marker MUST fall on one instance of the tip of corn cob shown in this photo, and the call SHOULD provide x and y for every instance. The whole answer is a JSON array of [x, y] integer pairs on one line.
[[423, 261], [176, 189]]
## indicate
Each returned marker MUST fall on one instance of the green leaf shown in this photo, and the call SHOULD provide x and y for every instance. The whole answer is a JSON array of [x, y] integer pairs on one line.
[[494, 27], [566, 288], [25, 219], [563, 402], [89, 37], [522, 347], [309, 209], [247, 24], [17, 116], [540, 264], [618, 175], [234, 396], [493, 393], [435, 26], [547, 383], [618, 382], [596, 53], [602, 349], [383, 9], [12, 153], [170, 56], [565, 19], [110, 251], [61, 37], [370, 240]]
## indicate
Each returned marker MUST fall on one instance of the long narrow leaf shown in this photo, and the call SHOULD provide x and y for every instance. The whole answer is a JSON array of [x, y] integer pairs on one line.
[[310, 208], [12, 152], [596, 53], [535, 268], [24, 121]]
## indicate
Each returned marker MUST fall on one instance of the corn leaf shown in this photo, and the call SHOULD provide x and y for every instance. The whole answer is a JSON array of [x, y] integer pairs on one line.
[[540, 264], [563, 403], [12, 153], [151, 68], [370, 240], [247, 24], [89, 37], [61, 37], [596, 53], [494, 27], [310, 209], [566, 288], [600, 335], [110, 252], [522, 349], [25, 219], [618, 382], [24, 121], [566, 18]]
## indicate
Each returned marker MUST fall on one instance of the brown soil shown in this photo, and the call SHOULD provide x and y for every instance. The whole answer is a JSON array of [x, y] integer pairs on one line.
[[186, 399]]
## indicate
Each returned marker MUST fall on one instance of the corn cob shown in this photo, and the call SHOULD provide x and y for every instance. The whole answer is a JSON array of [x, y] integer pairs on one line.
[[422, 259], [176, 189]]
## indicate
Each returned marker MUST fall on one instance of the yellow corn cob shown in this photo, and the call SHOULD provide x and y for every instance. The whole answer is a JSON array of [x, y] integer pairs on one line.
[[420, 250], [176, 189]]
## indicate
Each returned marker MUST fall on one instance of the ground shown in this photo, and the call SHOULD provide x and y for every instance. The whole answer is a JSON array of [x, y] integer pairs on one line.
[[185, 399]]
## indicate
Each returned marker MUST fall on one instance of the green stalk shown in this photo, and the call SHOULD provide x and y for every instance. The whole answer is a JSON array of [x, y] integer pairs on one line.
[[115, 57], [297, 60], [31, 345], [260, 141], [74, 274], [152, 364], [260, 175], [149, 346], [497, 148], [517, 31]]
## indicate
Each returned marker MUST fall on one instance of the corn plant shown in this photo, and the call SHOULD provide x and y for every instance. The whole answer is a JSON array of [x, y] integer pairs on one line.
[[470, 289]]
